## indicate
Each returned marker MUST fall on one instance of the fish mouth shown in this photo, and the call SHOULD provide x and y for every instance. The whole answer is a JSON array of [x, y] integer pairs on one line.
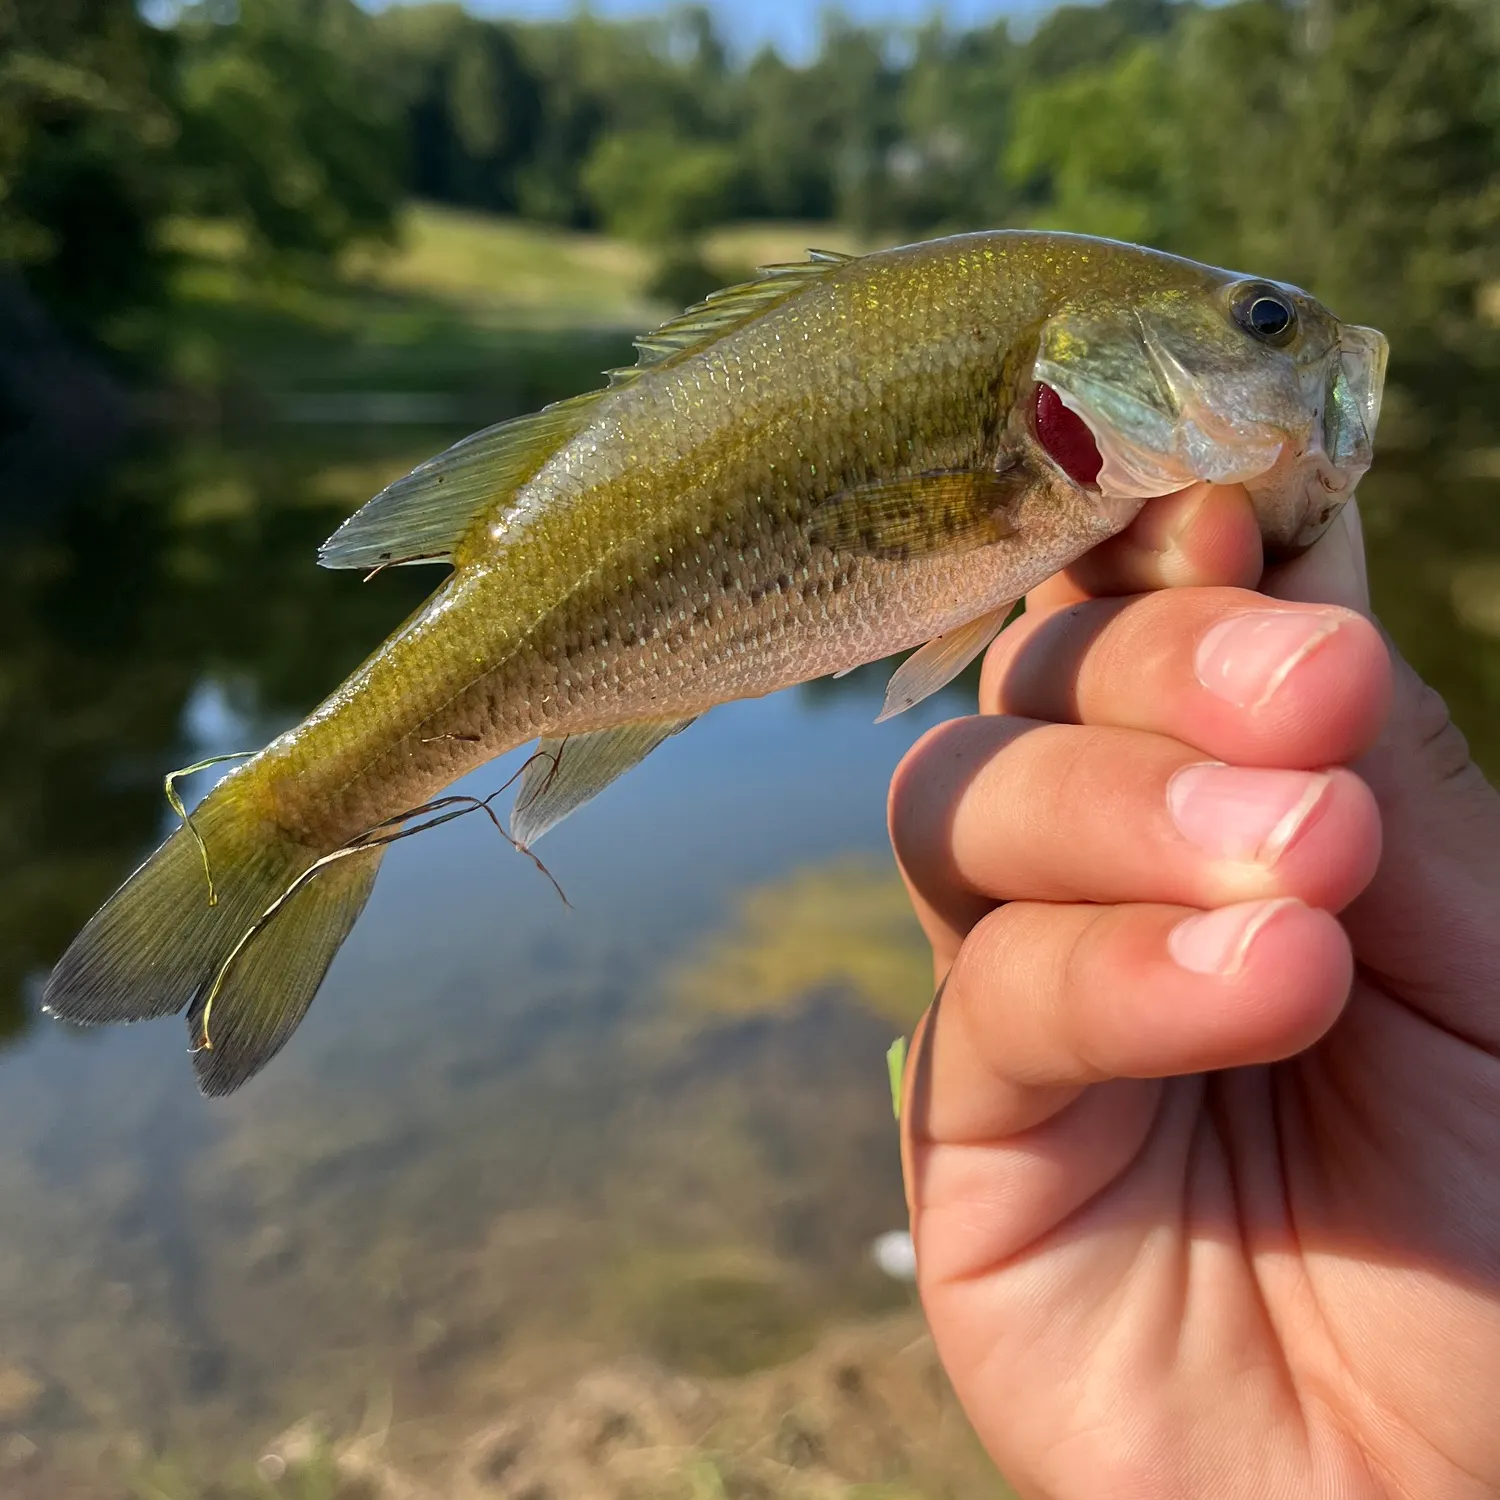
[[1299, 496]]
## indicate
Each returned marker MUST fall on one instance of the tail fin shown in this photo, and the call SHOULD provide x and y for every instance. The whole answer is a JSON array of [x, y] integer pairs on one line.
[[246, 968]]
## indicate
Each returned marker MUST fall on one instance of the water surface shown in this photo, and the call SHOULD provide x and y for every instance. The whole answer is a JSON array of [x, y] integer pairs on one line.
[[514, 1143]]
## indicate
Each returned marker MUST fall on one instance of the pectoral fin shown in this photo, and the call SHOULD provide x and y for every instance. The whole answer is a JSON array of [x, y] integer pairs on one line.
[[945, 511], [563, 774], [939, 662]]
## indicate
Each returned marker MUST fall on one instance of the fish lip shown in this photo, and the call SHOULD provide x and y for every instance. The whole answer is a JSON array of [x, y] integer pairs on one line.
[[1364, 354], [1298, 500]]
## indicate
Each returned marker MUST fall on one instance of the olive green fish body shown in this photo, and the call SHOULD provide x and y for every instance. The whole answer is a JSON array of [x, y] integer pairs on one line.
[[841, 461], [669, 557]]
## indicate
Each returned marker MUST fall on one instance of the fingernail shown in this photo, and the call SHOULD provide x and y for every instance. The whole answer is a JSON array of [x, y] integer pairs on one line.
[[1218, 942], [1233, 812], [1247, 657]]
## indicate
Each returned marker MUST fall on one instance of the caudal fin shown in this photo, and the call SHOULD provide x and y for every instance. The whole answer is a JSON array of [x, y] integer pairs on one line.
[[246, 968]]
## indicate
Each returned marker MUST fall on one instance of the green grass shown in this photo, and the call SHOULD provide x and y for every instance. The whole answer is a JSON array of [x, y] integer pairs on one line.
[[512, 270], [487, 311]]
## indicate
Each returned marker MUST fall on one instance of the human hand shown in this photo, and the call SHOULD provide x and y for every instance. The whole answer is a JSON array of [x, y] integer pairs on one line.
[[1209, 1205]]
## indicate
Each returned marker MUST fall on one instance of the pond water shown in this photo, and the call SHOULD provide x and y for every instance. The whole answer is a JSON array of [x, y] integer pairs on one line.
[[537, 1193]]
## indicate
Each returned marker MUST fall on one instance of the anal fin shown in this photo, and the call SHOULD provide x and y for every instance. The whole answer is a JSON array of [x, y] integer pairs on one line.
[[563, 774], [937, 663]]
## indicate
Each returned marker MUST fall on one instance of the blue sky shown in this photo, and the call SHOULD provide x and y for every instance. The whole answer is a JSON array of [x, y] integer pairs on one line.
[[790, 25]]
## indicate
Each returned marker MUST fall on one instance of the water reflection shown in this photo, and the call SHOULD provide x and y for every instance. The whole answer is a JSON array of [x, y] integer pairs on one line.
[[191, 565], [635, 1152]]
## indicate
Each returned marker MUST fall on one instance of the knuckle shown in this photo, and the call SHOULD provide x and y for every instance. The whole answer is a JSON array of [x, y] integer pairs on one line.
[[1070, 768], [1077, 982], [1438, 743], [908, 799], [970, 990]]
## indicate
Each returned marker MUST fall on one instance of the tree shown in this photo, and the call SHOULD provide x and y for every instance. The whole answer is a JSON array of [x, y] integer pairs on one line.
[[955, 105], [785, 140], [1351, 146], [87, 131], [286, 128], [654, 188], [1075, 37], [471, 101]]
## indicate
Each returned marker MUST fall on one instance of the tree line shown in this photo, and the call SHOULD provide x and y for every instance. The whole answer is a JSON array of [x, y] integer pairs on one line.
[[1350, 145]]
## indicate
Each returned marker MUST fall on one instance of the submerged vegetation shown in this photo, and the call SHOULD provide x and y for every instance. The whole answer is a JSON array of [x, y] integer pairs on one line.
[[845, 927]]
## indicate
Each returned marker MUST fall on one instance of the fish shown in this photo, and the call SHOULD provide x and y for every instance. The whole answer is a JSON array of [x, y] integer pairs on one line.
[[846, 458]]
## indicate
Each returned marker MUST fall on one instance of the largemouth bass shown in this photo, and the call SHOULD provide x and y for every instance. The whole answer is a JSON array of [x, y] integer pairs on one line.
[[843, 459]]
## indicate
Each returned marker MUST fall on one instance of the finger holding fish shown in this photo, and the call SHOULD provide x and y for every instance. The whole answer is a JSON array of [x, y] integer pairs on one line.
[[1045, 1001], [991, 809], [1203, 535], [1247, 679]]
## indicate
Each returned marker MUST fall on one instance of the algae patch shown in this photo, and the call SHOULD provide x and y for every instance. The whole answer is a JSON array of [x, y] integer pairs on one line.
[[843, 927]]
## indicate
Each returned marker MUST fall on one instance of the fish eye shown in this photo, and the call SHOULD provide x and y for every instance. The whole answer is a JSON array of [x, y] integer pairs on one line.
[[1266, 314]]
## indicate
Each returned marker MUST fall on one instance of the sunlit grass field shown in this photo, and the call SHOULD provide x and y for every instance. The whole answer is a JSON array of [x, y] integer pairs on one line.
[[470, 312], [513, 267], [509, 268]]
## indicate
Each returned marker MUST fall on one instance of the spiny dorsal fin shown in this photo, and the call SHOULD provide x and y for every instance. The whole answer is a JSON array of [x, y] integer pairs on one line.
[[728, 308], [563, 774], [421, 517], [939, 662], [947, 510]]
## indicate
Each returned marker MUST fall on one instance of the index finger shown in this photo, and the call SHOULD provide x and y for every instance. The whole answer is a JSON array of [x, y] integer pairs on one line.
[[1252, 681]]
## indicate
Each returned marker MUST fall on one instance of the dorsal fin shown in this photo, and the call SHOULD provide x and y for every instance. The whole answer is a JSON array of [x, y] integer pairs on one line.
[[725, 309], [421, 517]]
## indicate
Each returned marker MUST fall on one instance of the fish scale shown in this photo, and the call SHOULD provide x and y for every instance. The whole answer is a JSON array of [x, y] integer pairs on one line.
[[839, 461]]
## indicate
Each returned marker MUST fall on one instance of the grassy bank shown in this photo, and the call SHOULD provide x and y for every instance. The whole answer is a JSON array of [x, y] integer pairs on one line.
[[463, 316]]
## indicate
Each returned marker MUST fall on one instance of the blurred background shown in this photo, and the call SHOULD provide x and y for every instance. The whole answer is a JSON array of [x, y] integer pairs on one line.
[[550, 1204]]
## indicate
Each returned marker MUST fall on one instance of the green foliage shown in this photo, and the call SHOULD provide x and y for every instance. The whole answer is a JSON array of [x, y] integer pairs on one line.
[[286, 129], [1097, 150], [1075, 37], [784, 140], [471, 103], [266, 114], [84, 132], [649, 187], [955, 107], [662, 79], [1351, 146]]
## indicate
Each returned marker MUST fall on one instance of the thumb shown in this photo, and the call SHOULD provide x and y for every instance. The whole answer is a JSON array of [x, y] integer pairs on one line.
[[1428, 918], [1331, 571]]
